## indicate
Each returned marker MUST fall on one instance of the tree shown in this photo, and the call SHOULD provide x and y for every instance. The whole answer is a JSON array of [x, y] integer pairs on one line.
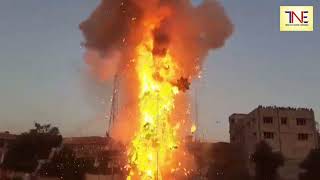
[[267, 162], [227, 163], [66, 165], [32, 146], [311, 166]]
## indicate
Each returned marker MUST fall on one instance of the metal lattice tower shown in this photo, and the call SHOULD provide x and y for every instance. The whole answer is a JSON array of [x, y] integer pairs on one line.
[[114, 103]]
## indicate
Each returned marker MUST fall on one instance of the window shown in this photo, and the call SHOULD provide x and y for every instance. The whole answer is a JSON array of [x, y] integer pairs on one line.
[[303, 137], [301, 122], [232, 121], [284, 121], [249, 124], [232, 139], [268, 135], [267, 120]]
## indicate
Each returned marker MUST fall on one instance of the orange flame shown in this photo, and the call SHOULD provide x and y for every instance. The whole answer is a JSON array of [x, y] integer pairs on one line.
[[156, 140]]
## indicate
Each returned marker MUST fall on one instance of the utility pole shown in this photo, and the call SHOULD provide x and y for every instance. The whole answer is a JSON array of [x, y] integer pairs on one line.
[[196, 113], [157, 124]]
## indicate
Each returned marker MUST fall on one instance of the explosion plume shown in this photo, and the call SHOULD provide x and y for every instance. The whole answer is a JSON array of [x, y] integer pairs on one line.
[[157, 47]]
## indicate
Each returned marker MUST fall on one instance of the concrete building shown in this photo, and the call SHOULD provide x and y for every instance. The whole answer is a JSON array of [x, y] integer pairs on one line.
[[291, 131], [100, 150], [87, 147]]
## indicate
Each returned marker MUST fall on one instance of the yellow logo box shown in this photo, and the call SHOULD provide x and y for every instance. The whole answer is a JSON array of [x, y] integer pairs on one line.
[[296, 18]]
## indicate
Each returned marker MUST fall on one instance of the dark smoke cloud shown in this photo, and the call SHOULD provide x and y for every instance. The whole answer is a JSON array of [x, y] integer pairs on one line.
[[109, 24], [190, 32]]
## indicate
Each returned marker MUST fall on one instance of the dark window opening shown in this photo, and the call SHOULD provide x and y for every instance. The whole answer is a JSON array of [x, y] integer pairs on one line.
[[284, 121], [267, 120], [248, 124], [232, 121], [303, 137], [301, 121], [233, 139], [268, 135]]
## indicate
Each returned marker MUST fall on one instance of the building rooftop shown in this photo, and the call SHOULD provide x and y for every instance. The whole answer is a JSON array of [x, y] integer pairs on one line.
[[6, 135], [85, 140], [286, 108], [238, 114]]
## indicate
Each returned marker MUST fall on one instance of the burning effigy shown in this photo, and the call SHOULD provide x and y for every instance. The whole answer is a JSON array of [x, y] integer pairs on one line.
[[157, 47]]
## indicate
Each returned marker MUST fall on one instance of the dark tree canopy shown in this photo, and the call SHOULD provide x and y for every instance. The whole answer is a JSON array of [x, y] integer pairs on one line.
[[311, 166], [267, 162], [228, 164], [23, 155]]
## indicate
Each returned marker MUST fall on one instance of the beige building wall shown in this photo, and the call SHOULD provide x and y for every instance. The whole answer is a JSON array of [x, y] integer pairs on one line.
[[291, 131]]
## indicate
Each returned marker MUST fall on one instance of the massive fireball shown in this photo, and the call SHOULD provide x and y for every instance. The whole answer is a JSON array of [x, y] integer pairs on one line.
[[157, 47]]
